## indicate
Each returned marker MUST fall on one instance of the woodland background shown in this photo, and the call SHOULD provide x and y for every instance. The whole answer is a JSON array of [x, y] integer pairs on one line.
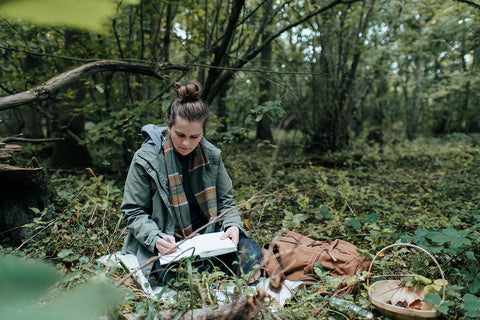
[[354, 119]]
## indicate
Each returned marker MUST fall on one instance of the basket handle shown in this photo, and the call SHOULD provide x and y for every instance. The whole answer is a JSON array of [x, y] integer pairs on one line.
[[418, 248]]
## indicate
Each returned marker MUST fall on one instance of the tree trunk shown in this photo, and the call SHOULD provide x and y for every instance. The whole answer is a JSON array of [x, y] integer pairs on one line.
[[68, 153], [210, 91], [414, 114], [32, 122], [222, 110], [473, 122], [22, 189], [264, 131], [168, 30]]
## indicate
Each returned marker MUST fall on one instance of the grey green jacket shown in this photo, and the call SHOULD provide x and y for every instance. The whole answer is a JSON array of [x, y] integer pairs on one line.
[[146, 205]]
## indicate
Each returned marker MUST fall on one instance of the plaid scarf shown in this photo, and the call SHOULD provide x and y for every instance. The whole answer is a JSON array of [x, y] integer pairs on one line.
[[202, 187]]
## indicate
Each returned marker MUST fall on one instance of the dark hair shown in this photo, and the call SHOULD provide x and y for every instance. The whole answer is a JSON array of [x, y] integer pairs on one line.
[[188, 104]]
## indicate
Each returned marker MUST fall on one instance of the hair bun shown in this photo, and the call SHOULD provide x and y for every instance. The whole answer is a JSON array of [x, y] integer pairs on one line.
[[189, 91]]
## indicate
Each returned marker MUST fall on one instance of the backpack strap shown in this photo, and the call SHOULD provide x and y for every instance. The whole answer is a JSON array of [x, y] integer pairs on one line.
[[273, 266]]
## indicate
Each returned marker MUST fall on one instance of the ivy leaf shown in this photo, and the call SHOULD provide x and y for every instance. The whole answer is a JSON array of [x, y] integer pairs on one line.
[[438, 237], [322, 213], [65, 253], [421, 236], [443, 308], [439, 282], [470, 256], [436, 286], [423, 279], [471, 305], [119, 140], [35, 210], [28, 225], [355, 223], [477, 217], [458, 239], [474, 286], [433, 298], [319, 266], [372, 218], [421, 233]]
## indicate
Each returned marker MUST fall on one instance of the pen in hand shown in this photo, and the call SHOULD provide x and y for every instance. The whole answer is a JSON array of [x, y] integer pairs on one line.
[[165, 244]]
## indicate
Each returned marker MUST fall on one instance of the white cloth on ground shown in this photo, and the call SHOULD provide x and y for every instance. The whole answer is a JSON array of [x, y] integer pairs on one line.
[[223, 295]]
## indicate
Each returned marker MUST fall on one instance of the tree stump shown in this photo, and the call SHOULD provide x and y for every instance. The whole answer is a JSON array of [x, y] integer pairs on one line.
[[6, 150], [20, 190]]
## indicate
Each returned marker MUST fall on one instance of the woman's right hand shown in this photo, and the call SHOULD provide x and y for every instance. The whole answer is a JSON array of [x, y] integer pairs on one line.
[[166, 244]]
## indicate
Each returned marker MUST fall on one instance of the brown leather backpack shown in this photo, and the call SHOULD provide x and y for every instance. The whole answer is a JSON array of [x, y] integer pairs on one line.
[[293, 257]]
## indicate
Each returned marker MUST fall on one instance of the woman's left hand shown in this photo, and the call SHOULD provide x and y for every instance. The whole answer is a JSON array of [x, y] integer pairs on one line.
[[233, 233]]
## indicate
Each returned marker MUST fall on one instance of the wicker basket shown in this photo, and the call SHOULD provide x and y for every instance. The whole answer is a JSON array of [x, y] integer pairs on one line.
[[384, 290]]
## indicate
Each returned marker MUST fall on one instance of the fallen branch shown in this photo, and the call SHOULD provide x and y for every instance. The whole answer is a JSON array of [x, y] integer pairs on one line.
[[244, 308], [19, 139], [48, 89]]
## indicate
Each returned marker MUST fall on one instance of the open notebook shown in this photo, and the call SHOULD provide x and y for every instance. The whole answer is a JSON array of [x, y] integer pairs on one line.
[[203, 246]]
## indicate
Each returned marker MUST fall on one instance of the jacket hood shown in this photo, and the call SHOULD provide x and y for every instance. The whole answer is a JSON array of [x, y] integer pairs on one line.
[[154, 135]]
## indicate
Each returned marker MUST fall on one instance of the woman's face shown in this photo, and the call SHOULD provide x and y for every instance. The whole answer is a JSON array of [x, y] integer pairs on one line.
[[186, 135]]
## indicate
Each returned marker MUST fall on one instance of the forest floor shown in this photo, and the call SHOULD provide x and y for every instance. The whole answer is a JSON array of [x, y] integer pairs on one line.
[[424, 192]]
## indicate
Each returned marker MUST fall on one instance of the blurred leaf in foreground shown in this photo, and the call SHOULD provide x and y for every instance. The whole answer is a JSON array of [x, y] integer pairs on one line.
[[22, 281], [86, 14], [24, 284]]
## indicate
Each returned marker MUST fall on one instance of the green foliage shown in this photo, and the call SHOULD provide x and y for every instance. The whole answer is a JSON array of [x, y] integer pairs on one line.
[[271, 109], [115, 134], [424, 192], [471, 305], [448, 241], [87, 224]]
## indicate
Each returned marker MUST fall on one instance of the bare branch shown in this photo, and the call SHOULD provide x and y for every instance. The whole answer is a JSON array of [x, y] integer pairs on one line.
[[48, 89], [471, 3], [19, 139], [220, 80]]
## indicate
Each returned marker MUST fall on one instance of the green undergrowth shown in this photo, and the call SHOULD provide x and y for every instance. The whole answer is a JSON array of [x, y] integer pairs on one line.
[[424, 192]]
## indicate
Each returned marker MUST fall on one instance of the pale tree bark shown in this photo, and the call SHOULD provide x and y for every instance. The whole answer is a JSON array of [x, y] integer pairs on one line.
[[414, 112], [463, 108], [473, 123], [346, 104]]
